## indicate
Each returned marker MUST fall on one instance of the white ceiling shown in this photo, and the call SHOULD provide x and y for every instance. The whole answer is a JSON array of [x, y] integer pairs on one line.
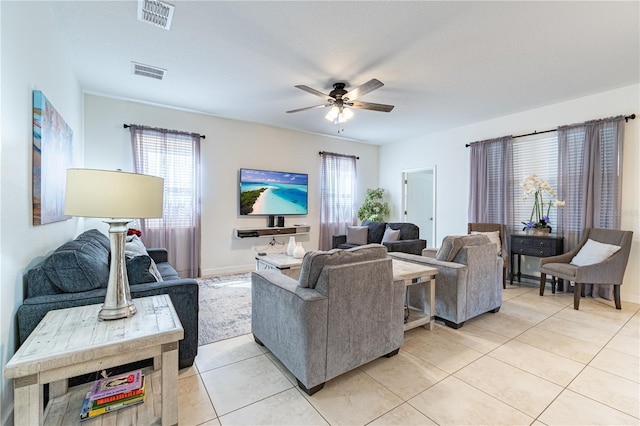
[[444, 64]]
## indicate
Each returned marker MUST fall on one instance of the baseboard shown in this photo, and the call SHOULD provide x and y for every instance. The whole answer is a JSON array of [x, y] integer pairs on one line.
[[228, 270]]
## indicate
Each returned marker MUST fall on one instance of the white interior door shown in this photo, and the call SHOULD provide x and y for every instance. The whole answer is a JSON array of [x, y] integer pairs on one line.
[[419, 201]]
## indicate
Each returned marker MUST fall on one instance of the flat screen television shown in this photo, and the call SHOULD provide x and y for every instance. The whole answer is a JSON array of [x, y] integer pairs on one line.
[[271, 193]]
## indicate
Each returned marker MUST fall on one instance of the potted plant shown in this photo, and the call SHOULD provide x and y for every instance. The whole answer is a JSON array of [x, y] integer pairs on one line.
[[374, 209], [539, 222]]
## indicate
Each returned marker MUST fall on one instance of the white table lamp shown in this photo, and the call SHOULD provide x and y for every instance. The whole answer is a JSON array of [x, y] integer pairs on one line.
[[119, 197]]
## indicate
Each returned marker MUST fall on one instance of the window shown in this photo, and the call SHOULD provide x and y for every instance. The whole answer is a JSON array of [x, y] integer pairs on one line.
[[533, 154], [337, 196], [172, 157]]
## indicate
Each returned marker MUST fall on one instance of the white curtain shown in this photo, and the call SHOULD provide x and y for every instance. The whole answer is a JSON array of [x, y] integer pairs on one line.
[[337, 196], [174, 156]]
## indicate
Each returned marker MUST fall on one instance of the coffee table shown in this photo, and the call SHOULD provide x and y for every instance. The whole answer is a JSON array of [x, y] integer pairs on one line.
[[71, 342], [288, 265], [420, 292]]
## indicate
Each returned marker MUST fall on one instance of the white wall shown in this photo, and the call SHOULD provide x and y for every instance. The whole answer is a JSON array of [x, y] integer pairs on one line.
[[229, 146], [447, 151], [33, 57]]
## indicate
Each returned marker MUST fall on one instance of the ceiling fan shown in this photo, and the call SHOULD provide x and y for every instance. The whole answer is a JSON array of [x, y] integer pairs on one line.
[[342, 100]]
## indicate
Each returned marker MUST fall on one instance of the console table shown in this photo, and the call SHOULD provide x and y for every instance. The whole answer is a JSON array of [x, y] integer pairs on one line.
[[71, 342], [533, 245]]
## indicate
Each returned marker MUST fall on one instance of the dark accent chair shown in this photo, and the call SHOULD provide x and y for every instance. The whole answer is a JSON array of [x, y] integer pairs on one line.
[[409, 241], [493, 227], [609, 271]]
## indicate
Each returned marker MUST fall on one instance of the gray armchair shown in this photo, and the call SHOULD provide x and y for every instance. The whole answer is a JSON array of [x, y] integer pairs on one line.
[[500, 229], [469, 281], [609, 271], [345, 311]]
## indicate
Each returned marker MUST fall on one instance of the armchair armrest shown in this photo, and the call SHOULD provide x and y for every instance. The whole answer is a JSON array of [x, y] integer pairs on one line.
[[430, 252], [336, 240]]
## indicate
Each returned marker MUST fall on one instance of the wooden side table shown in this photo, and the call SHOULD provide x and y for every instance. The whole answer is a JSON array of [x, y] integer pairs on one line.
[[533, 245], [422, 278], [70, 342]]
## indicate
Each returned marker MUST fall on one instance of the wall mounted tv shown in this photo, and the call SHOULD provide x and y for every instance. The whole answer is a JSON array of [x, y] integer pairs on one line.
[[271, 193]]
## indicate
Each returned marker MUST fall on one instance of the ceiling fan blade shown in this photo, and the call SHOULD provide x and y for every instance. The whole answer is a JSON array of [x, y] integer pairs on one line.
[[311, 107], [363, 89], [314, 92], [370, 105]]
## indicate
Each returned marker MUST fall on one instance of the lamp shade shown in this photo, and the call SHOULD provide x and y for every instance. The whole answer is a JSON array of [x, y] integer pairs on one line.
[[113, 194]]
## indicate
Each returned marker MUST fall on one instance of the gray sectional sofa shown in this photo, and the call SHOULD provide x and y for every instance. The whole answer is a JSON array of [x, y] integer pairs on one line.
[[77, 272], [408, 240]]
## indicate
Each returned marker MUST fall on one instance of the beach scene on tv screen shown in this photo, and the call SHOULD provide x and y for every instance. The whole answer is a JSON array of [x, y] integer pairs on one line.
[[272, 193]]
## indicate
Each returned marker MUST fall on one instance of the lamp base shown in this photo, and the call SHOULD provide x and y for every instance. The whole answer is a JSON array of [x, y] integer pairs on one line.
[[118, 302]]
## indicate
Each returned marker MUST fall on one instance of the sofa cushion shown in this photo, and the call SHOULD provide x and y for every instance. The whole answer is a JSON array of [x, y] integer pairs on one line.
[[357, 235], [79, 265], [96, 237], [451, 245], [138, 270], [315, 261], [408, 231], [376, 231], [390, 235]]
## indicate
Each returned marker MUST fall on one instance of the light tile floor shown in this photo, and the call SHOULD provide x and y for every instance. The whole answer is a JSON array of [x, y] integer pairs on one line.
[[537, 361]]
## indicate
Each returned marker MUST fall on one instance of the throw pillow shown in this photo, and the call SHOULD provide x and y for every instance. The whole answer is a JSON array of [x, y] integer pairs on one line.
[[494, 237], [390, 235], [357, 235], [134, 247], [593, 252], [139, 270]]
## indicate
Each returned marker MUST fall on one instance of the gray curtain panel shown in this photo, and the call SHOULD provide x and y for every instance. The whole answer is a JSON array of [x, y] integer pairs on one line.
[[174, 156], [490, 177], [590, 181], [337, 196]]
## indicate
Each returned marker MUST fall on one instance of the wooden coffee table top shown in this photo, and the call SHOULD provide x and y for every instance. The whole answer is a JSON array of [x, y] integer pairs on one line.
[[407, 270]]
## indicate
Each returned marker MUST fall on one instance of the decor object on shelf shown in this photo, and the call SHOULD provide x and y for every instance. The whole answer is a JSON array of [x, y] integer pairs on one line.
[[120, 197], [299, 251], [291, 246], [374, 209], [532, 185], [52, 147]]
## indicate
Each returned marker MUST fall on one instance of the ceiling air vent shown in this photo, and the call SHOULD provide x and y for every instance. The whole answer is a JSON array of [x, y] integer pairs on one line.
[[155, 13], [148, 71]]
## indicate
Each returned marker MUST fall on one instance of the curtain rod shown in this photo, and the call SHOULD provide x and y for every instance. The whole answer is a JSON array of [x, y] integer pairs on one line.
[[626, 120], [126, 126], [333, 153]]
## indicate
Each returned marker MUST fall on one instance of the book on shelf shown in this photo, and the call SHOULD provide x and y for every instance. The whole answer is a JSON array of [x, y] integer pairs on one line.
[[120, 383], [92, 409]]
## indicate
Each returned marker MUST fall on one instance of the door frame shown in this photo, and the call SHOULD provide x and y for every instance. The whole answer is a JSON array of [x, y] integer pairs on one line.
[[435, 206]]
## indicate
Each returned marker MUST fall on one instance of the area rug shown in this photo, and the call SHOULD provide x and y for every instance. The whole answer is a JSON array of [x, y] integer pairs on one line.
[[225, 307]]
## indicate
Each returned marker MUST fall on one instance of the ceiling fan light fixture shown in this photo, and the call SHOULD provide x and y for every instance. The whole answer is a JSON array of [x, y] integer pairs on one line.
[[339, 115]]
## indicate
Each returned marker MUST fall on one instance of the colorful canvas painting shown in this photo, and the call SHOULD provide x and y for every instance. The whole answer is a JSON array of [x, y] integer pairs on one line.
[[52, 150]]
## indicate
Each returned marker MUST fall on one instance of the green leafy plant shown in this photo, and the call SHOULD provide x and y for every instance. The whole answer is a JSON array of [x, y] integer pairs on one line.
[[374, 208]]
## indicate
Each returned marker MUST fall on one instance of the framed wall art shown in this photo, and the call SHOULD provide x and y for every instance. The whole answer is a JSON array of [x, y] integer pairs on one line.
[[52, 154]]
